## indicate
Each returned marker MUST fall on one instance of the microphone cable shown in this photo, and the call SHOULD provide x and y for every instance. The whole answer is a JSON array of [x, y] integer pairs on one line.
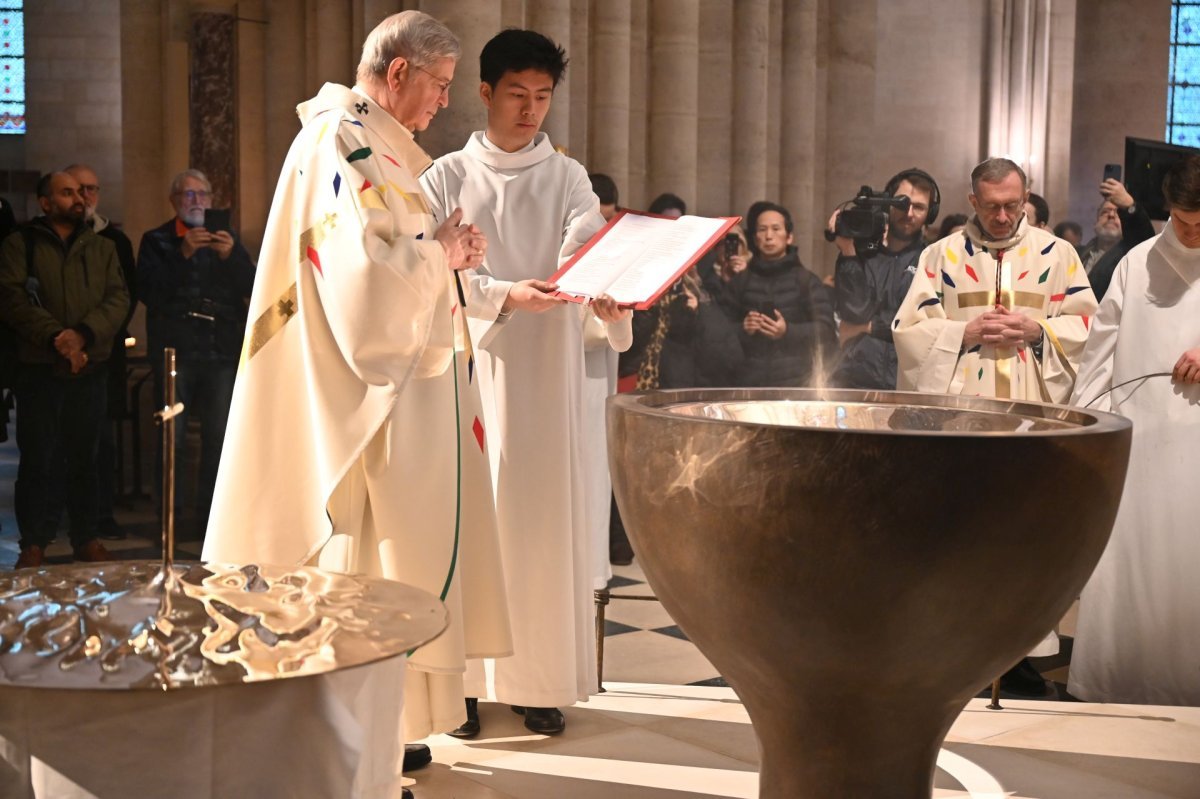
[[1127, 382]]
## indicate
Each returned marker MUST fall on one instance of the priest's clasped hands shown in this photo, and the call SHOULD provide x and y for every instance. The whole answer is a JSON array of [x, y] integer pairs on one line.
[[464, 244], [1001, 327]]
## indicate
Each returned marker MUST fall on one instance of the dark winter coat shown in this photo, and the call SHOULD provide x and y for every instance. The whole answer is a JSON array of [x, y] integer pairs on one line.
[[870, 290], [808, 346]]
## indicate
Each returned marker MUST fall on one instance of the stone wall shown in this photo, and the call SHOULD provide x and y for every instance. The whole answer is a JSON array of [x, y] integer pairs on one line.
[[73, 96], [721, 101]]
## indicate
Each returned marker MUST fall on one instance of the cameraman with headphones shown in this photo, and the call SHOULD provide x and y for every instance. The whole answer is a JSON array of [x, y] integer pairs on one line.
[[869, 287]]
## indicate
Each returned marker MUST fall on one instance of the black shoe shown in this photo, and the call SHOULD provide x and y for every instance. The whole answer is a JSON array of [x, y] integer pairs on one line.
[[416, 756], [470, 727], [544, 720], [110, 530], [1023, 680], [405, 793], [620, 553]]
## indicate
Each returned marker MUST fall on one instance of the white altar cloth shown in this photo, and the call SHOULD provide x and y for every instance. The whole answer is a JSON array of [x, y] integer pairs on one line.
[[333, 735]]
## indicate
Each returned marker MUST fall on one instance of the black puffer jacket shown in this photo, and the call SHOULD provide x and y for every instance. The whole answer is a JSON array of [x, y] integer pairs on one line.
[[809, 345]]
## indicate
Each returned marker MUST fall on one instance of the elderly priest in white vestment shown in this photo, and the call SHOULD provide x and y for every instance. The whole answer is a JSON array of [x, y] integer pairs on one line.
[[537, 208], [1138, 637], [355, 438]]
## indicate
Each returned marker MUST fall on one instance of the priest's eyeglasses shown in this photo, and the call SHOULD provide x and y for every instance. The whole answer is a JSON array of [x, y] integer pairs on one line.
[[442, 84], [1012, 209], [192, 195]]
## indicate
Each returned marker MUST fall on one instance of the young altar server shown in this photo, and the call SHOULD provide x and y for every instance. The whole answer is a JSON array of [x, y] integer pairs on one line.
[[536, 208]]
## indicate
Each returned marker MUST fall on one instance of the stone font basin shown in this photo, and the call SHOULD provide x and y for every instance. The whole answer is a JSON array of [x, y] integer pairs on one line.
[[860, 564]]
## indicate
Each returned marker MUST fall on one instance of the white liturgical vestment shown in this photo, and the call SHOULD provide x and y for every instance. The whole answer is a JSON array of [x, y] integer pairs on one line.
[[536, 208], [355, 438], [1138, 638]]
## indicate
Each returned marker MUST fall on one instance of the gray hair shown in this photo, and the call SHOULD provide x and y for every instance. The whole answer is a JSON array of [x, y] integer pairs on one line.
[[994, 170], [411, 35], [177, 181]]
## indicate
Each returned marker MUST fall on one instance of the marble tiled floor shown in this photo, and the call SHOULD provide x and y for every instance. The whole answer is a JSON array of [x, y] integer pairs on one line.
[[668, 728], [655, 741]]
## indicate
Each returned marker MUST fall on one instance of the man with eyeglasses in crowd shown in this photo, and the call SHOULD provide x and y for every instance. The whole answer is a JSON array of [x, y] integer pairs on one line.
[[1002, 311], [106, 453], [195, 284]]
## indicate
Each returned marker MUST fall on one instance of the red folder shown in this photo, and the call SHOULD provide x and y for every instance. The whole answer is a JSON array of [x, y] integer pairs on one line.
[[637, 256]]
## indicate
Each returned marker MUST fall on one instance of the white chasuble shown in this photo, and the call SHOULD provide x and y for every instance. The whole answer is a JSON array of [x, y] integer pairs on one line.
[[960, 278], [536, 208], [1138, 638], [355, 437]]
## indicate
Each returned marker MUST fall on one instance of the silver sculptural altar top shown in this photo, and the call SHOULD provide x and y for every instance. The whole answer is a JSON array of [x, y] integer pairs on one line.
[[879, 411], [131, 625]]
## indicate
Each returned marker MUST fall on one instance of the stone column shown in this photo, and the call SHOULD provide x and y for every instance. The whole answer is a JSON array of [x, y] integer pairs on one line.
[[1118, 91], [852, 135], [212, 101], [750, 50], [674, 95], [578, 83], [639, 91], [1056, 186], [774, 96], [553, 19], [802, 111], [714, 143], [255, 178], [289, 84], [141, 115], [333, 55], [474, 22], [609, 83]]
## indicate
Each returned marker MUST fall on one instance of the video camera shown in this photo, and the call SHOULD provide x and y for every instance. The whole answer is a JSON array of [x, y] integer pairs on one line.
[[867, 220]]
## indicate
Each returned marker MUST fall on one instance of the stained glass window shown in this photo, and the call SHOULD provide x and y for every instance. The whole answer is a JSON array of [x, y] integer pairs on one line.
[[1183, 87], [12, 66]]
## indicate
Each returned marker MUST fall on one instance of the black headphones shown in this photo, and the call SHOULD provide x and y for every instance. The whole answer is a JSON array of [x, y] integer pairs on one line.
[[935, 202]]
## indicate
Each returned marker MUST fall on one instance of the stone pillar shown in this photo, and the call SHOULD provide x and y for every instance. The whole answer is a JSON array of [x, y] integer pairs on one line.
[[639, 91], [750, 50], [142, 141], [1119, 91], [553, 19], [366, 15], [1056, 186], [212, 101], [853, 135], [289, 84], [802, 111], [609, 107], [674, 96], [254, 176], [473, 22], [714, 143], [334, 56], [774, 96], [578, 84]]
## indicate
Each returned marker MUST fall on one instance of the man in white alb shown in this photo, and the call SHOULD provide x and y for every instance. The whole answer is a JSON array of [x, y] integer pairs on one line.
[[536, 207]]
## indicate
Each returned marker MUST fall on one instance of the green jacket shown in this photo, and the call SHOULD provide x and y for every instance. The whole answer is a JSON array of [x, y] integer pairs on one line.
[[79, 285]]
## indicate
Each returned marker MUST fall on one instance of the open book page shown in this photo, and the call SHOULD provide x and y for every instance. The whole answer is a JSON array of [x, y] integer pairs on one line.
[[638, 256]]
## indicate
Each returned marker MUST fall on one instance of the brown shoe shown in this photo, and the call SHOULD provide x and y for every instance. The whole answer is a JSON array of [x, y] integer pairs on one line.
[[30, 556], [92, 552]]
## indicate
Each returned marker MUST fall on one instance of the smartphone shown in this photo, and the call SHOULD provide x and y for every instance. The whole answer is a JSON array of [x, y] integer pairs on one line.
[[216, 219], [767, 309], [732, 245], [1112, 171]]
